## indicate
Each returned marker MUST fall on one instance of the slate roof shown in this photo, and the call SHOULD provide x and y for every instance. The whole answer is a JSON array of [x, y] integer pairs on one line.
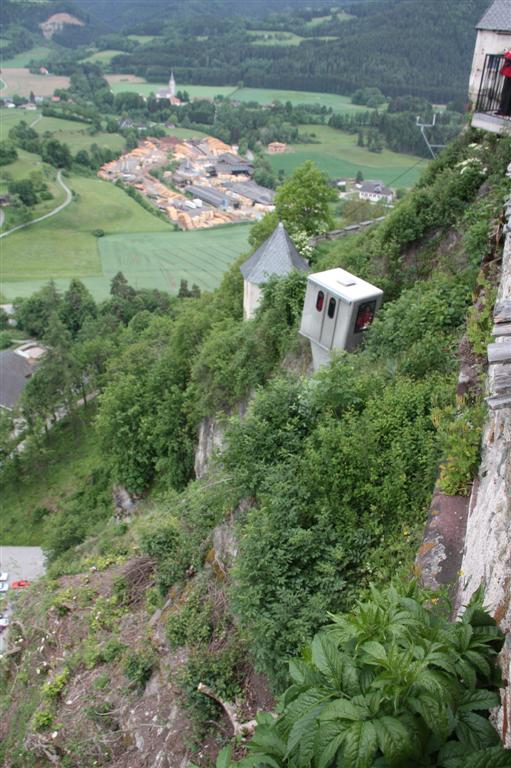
[[375, 188], [15, 371], [276, 256], [497, 17], [253, 191]]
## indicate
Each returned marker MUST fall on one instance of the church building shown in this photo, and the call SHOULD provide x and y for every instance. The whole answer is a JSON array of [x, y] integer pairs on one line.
[[169, 93]]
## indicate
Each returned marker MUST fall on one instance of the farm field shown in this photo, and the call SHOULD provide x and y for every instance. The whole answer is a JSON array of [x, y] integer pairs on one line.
[[161, 260], [150, 252], [70, 132], [274, 37], [341, 104], [185, 133], [20, 81], [102, 57], [338, 156], [142, 38], [23, 59], [120, 83]]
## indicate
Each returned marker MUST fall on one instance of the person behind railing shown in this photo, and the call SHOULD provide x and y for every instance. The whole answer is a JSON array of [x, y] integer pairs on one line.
[[505, 99]]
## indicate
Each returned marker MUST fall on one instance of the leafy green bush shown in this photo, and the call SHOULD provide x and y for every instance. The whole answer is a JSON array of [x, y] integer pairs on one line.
[[191, 621], [459, 431], [138, 666], [392, 684], [54, 687], [42, 720]]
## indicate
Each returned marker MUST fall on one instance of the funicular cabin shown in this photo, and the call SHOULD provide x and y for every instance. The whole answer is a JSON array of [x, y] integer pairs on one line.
[[338, 308]]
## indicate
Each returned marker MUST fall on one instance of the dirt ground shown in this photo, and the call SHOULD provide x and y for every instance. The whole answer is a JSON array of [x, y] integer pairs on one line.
[[20, 81]]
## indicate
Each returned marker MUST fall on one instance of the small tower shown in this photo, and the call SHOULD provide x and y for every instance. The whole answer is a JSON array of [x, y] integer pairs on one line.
[[172, 86], [276, 256]]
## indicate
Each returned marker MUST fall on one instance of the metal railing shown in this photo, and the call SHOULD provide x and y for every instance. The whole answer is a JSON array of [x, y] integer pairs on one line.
[[489, 97]]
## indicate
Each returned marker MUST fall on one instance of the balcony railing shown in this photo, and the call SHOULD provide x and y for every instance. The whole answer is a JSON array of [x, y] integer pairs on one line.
[[488, 112]]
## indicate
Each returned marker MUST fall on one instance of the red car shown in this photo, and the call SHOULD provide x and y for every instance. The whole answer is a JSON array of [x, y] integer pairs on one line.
[[19, 584]]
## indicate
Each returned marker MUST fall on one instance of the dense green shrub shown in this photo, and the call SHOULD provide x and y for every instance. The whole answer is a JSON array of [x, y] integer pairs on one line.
[[392, 684], [138, 666]]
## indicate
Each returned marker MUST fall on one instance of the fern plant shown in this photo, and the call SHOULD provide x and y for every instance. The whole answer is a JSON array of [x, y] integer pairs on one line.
[[394, 684]]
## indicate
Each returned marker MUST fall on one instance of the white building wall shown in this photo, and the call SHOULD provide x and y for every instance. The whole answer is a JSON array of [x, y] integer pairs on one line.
[[487, 42], [251, 299]]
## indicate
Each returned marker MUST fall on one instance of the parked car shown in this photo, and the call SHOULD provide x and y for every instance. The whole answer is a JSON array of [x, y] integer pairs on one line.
[[4, 576], [4, 622], [19, 584], [4, 586]]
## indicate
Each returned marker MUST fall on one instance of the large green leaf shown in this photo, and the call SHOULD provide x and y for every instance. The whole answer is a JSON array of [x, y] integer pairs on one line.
[[434, 712], [374, 654], [343, 709], [479, 699], [302, 738], [394, 740], [329, 738], [299, 707], [475, 731], [224, 757], [359, 747], [327, 658]]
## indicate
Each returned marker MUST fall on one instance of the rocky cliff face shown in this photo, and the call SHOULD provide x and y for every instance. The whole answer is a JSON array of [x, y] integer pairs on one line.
[[487, 550]]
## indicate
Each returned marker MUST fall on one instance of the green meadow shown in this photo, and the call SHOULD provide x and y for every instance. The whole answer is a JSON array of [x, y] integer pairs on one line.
[[23, 59], [145, 248], [103, 57], [341, 104], [195, 91], [337, 155]]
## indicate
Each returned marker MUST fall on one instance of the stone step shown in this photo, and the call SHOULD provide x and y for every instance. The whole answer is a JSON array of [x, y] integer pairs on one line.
[[502, 380], [502, 312], [499, 352], [501, 329], [498, 402]]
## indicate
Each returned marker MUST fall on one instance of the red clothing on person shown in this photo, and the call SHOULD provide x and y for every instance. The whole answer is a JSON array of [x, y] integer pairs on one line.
[[506, 69]]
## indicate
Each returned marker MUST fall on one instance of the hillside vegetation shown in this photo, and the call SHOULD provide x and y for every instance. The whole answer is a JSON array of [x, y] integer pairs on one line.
[[321, 489]]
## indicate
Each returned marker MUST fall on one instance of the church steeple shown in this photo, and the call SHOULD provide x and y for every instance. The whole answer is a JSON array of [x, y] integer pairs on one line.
[[172, 85]]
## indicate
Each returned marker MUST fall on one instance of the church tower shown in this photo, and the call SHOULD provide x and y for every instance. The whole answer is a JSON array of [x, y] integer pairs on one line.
[[172, 85]]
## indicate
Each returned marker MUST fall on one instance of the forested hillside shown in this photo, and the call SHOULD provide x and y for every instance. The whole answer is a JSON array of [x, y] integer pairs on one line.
[[321, 489], [397, 46]]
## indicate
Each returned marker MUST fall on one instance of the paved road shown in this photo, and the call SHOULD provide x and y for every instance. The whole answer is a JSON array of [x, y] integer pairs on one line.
[[19, 563], [69, 197]]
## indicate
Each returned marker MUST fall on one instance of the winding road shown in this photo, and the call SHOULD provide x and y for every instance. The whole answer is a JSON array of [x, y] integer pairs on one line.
[[69, 197]]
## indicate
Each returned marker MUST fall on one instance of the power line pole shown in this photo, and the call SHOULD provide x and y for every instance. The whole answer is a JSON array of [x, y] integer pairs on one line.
[[423, 126]]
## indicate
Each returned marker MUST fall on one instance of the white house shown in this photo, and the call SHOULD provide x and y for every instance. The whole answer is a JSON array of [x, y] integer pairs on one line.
[[375, 192], [487, 85], [276, 256]]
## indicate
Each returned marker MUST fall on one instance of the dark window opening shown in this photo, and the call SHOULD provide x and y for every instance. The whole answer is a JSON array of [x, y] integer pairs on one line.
[[320, 301], [365, 316], [331, 308]]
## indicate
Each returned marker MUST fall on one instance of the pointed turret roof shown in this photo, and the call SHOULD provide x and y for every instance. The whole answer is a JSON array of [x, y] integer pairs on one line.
[[276, 256]]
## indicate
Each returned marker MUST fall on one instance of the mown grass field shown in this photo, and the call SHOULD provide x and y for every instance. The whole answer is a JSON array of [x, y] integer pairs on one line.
[[20, 81], [338, 156], [160, 260], [185, 133], [70, 132], [11, 117], [142, 38], [23, 59], [146, 248], [102, 57], [274, 37], [124, 83], [341, 104]]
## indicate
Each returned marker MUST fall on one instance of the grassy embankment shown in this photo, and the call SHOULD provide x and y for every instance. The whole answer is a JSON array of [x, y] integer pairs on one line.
[[69, 456], [338, 155], [148, 251]]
